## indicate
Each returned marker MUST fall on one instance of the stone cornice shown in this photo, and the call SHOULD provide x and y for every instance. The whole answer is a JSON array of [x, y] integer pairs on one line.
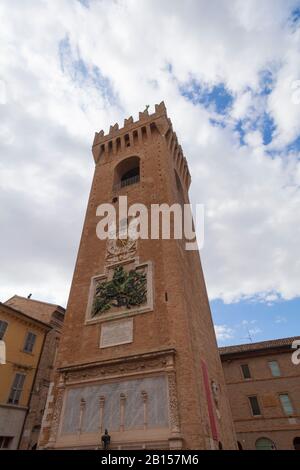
[[148, 355]]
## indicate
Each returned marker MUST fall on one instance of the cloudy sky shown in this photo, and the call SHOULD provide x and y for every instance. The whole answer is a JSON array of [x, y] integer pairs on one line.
[[229, 73]]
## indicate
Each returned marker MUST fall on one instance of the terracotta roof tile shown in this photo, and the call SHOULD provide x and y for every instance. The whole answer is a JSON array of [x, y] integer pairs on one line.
[[257, 346], [10, 310], [42, 311]]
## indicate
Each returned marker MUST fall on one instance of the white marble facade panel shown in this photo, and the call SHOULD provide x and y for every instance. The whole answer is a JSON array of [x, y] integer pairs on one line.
[[129, 394]]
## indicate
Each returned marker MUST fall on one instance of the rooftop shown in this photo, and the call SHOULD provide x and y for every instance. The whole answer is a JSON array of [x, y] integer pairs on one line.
[[17, 313], [36, 309], [263, 345]]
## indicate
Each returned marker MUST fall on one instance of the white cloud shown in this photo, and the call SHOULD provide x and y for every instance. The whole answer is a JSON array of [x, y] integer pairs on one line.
[[49, 114], [224, 332], [280, 319], [249, 322]]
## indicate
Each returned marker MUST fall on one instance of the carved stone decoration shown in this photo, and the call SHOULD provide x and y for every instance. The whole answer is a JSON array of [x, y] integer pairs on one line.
[[215, 388], [122, 410], [112, 370], [56, 414], [215, 392], [101, 408], [145, 400], [173, 404], [159, 361], [125, 289], [119, 249]]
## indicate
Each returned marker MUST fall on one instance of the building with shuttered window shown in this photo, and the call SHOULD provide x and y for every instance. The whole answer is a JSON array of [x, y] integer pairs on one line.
[[30, 331], [263, 383]]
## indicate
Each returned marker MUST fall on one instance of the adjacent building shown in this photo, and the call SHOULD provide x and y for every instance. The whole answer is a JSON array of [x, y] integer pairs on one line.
[[138, 353], [263, 386], [31, 331]]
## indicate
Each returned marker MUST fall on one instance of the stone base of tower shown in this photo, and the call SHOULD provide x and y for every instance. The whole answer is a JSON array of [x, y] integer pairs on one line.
[[134, 397]]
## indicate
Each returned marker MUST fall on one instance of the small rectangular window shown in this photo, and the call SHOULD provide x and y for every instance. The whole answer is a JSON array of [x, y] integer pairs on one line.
[[286, 404], [274, 368], [29, 342], [3, 327], [246, 371], [255, 408], [16, 389]]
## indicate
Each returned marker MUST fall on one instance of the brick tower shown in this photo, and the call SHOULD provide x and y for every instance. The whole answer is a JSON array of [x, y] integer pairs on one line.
[[147, 369]]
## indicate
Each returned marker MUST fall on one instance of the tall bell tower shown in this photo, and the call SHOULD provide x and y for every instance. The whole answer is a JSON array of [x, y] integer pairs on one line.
[[138, 354]]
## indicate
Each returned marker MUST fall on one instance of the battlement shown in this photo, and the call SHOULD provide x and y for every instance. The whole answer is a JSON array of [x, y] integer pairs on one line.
[[133, 132], [130, 124]]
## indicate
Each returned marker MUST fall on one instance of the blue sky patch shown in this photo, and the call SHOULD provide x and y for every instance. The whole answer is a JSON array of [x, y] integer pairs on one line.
[[83, 75], [255, 320], [239, 127], [295, 16], [217, 123], [266, 82], [85, 3], [294, 146], [216, 97], [268, 127]]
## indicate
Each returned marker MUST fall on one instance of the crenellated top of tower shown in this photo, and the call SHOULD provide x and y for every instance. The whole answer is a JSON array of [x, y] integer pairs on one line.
[[119, 140], [130, 124]]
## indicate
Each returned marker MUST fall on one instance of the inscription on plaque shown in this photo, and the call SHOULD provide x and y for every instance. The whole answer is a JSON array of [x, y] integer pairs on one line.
[[116, 332]]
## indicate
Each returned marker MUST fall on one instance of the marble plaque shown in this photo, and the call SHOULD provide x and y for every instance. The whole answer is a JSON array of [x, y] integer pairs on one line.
[[134, 416], [116, 332]]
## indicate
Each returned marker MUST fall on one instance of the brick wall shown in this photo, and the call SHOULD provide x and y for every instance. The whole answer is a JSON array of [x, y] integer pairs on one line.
[[273, 423]]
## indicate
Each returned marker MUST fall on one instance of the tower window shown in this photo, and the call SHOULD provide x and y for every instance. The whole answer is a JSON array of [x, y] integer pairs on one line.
[[153, 128], [144, 133], [127, 172], [135, 137], [130, 177], [127, 141]]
